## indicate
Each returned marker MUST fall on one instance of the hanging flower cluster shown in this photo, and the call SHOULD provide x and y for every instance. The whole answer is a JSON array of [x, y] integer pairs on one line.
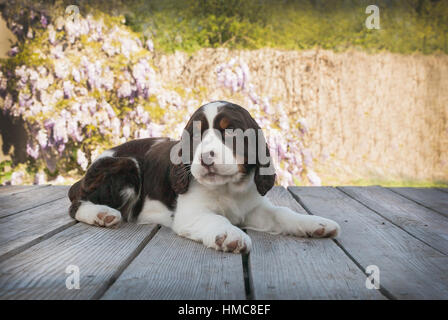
[[285, 139], [92, 87]]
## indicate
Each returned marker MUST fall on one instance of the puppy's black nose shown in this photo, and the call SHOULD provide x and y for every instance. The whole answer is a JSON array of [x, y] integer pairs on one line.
[[207, 159]]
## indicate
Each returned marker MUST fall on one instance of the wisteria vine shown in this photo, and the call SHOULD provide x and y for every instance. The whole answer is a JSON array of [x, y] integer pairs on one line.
[[84, 85]]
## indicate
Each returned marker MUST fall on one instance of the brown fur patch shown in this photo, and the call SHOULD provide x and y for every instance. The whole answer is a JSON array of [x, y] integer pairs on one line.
[[232, 245], [242, 168], [109, 219], [220, 239], [74, 208], [101, 215], [224, 123], [319, 232]]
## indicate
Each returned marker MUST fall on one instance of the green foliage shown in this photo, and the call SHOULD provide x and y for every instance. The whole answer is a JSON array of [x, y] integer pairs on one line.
[[188, 25], [406, 27], [5, 170]]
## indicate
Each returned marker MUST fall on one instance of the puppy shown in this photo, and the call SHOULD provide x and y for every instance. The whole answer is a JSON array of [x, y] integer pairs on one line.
[[204, 186]]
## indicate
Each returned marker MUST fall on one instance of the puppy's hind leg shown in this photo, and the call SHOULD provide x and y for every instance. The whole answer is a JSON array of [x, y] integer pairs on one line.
[[110, 184], [282, 220]]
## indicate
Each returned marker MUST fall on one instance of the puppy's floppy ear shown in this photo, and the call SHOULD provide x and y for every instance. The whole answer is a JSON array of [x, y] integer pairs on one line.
[[180, 178], [264, 177], [264, 173], [180, 174]]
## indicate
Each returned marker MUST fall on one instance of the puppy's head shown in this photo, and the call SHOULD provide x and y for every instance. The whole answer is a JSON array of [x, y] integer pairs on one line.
[[223, 144]]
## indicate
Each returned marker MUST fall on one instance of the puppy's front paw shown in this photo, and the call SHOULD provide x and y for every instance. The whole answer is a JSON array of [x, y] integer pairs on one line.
[[232, 240], [108, 217], [323, 228]]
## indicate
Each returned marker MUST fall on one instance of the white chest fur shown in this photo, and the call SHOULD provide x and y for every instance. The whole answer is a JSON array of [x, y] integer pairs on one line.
[[230, 201]]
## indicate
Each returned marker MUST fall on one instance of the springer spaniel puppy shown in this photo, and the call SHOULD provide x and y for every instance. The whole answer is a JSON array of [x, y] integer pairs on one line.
[[204, 186]]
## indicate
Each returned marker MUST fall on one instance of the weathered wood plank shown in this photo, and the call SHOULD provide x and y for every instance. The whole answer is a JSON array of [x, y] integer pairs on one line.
[[14, 203], [286, 267], [100, 253], [424, 224], [171, 267], [409, 269], [22, 230], [8, 190], [429, 197]]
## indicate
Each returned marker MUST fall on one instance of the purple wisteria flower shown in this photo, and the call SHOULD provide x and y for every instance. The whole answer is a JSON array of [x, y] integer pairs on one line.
[[155, 130], [60, 134], [68, 89], [43, 21], [57, 52], [30, 33], [13, 51], [16, 28], [17, 178], [150, 45], [116, 127], [76, 75], [126, 131], [314, 178], [32, 151], [73, 131], [81, 159], [286, 146], [42, 138], [125, 90], [3, 81], [61, 69], [51, 34], [40, 178]]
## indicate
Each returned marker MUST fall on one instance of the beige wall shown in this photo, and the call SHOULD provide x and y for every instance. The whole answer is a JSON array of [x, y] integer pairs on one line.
[[5, 36], [380, 116]]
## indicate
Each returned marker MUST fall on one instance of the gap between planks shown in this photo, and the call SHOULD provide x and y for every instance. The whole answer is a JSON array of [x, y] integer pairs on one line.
[[29, 199], [382, 290], [289, 267], [100, 293], [173, 267], [23, 230], [38, 272], [12, 190], [408, 224], [410, 197], [245, 261], [248, 282], [372, 239]]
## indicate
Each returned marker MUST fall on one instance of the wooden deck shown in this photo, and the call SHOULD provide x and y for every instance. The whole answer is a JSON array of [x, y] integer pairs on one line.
[[402, 231]]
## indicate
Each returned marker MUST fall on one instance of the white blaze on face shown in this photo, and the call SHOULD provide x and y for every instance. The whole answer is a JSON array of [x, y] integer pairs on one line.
[[224, 163], [211, 110]]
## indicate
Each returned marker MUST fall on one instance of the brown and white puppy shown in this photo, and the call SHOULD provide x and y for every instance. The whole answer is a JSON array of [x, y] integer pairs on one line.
[[204, 186]]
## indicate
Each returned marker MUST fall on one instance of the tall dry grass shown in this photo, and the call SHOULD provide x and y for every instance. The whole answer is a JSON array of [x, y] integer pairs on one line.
[[372, 116]]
